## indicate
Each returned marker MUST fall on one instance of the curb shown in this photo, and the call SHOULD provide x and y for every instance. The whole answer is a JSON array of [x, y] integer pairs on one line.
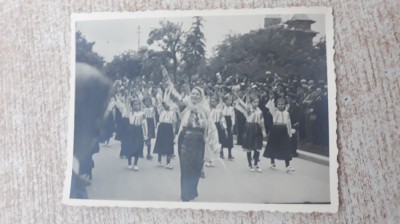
[[313, 157]]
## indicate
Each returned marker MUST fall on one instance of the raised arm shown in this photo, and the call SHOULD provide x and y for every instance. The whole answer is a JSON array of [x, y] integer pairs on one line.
[[262, 125], [271, 107], [144, 127]]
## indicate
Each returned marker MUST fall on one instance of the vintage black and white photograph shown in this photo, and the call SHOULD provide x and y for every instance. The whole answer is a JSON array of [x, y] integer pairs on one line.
[[221, 109]]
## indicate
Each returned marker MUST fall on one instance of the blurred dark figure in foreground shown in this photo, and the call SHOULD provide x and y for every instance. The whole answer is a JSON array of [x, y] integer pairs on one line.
[[91, 98]]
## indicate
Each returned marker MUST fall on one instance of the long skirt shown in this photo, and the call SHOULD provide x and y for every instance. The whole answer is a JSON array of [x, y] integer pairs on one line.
[[279, 145], [134, 141], [191, 157], [221, 133], [252, 137], [240, 123], [151, 129], [165, 139], [122, 135], [228, 140], [122, 125]]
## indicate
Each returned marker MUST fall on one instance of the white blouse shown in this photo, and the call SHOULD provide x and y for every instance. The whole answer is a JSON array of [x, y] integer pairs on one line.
[[229, 111], [168, 117], [216, 116], [137, 118], [280, 117], [252, 115], [150, 112]]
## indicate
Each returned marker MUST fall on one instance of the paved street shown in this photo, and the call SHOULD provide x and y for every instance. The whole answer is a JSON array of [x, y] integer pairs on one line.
[[229, 181]]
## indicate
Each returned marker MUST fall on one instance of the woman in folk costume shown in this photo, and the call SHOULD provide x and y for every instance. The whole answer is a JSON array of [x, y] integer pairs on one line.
[[229, 115], [136, 134], [253, 132], [195, 133], [278, 146], [164, 145], [150, 113]]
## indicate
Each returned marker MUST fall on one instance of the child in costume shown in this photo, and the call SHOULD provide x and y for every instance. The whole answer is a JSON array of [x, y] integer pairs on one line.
[[278, 146]]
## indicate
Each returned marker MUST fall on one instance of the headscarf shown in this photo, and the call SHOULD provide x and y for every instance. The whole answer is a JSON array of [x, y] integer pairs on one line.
[[201, 108]]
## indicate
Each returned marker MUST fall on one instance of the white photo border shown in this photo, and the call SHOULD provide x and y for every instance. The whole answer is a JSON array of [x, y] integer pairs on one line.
[[332, 91]]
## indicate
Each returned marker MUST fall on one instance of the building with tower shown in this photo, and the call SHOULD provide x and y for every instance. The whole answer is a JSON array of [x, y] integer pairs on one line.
[[299, 27]]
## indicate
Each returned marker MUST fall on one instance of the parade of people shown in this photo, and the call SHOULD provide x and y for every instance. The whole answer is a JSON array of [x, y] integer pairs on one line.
[[207, 123], [173, 116]]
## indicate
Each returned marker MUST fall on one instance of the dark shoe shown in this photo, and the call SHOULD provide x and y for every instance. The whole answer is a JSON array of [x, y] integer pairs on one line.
[[149, 157], [231, 158]]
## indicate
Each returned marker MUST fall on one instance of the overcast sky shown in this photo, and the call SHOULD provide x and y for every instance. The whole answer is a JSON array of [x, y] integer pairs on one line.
[[113, 37]]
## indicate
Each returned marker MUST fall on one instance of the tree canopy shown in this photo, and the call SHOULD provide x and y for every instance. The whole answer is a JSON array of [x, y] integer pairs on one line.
[[182, 52], [85, 54], [272, 50], [193, 51], [169, 38], [127, 64]]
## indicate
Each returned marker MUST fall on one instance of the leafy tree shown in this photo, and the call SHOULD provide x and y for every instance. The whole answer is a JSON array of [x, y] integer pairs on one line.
[[194, 49], [127, 64], [84, 52], [272, 50], [152, 61], [144, 64], [169, 38]]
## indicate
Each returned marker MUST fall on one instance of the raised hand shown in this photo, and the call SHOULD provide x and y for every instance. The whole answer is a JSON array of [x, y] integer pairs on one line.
[[164, 70]]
